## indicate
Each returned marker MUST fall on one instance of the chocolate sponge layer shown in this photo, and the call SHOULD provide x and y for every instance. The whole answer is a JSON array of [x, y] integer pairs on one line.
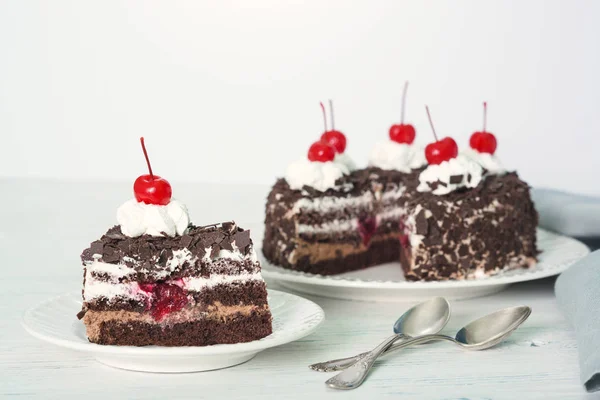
[[240, 328]]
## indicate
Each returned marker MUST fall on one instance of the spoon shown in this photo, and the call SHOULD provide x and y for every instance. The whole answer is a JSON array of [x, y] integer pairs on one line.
[[425, 318], [480, 334]]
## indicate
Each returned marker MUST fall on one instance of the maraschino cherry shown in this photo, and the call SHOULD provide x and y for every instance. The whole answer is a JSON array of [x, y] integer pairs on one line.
[[321, 152], [151, 189], [403, 133], [483, 142], [333, 137], [440, 150]]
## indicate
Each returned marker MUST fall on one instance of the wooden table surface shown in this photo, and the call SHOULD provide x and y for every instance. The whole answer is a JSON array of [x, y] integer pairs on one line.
[[44, 225]]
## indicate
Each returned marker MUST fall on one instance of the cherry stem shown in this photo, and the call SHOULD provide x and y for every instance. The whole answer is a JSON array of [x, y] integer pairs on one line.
[[331, 114], [147, 159], [431, 123], [324, 116], [403, 102], [484, 115]]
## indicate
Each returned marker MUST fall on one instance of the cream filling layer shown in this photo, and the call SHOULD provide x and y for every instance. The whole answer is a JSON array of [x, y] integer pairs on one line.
[[349, 224], [95, 288], [330, 203]]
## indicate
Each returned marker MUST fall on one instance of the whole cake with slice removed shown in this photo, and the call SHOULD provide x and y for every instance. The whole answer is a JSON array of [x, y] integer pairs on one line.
[[156, 279], [444, 215]]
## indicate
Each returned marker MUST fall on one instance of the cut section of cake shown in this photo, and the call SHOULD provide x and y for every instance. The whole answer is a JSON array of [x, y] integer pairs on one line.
[[156, 279], [354, 225]]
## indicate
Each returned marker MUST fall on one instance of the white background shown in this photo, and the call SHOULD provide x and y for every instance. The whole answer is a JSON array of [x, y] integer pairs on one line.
[[228, 90]]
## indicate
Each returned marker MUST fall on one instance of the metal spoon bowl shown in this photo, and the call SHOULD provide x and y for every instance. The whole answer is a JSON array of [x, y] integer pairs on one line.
[[480, 334], [425, 318], [491, 329]]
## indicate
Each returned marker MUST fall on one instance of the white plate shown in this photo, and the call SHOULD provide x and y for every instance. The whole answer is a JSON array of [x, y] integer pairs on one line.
[[54, 321], [386, 282]]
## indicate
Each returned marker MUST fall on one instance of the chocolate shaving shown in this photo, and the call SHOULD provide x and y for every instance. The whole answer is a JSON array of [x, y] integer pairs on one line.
[[242, 239], [186, 240], [227, 245], [229, 227], [215, 250], [456, 179], [421, 223], [97, 247]]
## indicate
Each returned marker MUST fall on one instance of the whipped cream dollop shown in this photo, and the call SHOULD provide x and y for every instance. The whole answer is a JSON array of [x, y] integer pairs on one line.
[[397, 156], [344, 159], [450, 175], [319, 175], [488, 161], [137, 219]]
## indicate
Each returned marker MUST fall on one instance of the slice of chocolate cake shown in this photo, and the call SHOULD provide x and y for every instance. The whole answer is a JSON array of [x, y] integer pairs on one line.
[[198, 289], [156, 279]]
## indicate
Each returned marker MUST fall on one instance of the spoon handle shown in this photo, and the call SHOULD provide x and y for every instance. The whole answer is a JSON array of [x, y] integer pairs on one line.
[[337, 364], [354, 376], [418, 340], [343, 363]]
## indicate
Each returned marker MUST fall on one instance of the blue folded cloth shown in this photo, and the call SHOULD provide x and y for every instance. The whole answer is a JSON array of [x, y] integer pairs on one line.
[[568, 213], [578, 295]]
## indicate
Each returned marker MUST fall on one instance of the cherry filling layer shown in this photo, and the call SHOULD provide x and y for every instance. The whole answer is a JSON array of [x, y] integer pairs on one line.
[[366, 228], [165, 298], [403, 237]]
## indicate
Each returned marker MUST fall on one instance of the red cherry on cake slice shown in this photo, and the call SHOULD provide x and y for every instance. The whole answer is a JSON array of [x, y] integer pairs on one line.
[[403, 133], [440, 150], [321, 152], [335, 138], [483, 142], [150, 188]]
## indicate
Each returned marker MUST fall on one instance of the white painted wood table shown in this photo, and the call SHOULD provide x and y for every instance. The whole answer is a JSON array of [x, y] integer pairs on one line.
[[44, 225]]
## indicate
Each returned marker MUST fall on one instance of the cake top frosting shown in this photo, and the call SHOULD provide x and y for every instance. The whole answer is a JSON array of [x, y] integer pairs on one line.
[[392, 155], [489, 162], [345, 160], [456, 173], [318, 175], [137, 218]]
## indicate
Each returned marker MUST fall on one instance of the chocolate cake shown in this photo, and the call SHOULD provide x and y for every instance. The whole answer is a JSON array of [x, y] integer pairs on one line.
[[444, 215], [198, 289], [157, 279]]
